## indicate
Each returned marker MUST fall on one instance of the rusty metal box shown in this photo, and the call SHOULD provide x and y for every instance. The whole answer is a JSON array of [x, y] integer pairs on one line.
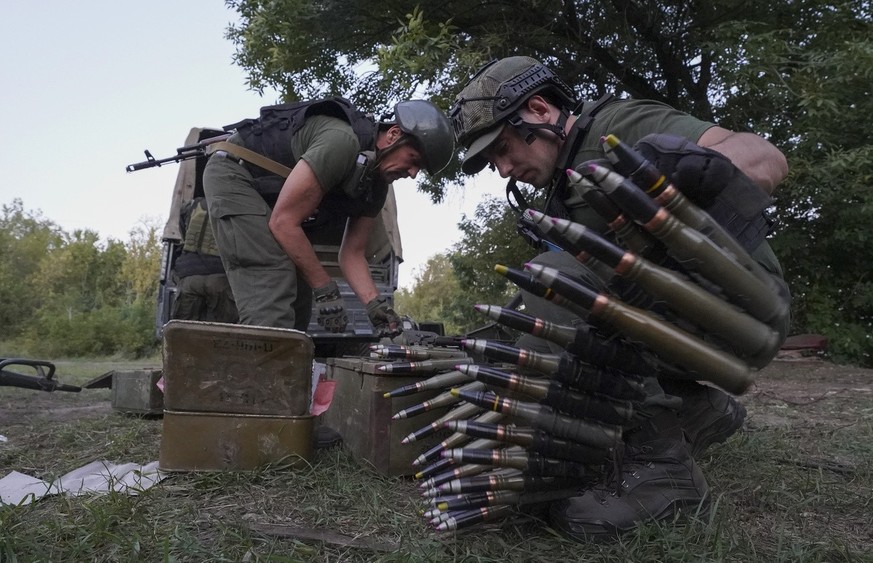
[[197, 441], [215, 367], [136, 391], [362, 415]]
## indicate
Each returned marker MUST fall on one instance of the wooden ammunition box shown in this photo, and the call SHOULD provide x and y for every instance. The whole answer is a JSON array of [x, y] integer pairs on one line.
[[197, 441], [136, 391], [362, 415], [214, 367]]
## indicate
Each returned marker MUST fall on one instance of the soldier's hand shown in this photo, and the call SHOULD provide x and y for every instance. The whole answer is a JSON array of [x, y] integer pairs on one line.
[[331, 311], [384, 319]]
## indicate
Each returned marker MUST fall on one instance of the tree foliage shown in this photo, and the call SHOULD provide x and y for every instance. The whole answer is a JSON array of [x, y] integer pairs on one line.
[[438, 296], [797, 72], [70, 294]]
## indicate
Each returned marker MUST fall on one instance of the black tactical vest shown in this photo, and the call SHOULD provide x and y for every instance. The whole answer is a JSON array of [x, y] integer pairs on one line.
[[270, 134]]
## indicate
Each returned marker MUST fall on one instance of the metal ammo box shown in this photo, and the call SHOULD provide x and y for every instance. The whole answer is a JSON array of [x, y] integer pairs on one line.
[[362, 415], [214, 367], [136, 391], [236, 397]]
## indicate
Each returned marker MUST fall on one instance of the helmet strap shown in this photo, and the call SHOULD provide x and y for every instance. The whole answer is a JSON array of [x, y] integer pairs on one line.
[[527, 130]]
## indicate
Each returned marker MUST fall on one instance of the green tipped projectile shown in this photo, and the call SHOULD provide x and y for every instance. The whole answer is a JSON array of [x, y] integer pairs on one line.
[[565, 368], [553, 394], [438, 381], [668, 341], [532, 439], [525, 282], [463, 410], [442, 400], [547, 419]]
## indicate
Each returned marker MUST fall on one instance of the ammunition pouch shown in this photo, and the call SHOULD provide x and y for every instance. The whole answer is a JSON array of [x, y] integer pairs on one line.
[[713, 183]]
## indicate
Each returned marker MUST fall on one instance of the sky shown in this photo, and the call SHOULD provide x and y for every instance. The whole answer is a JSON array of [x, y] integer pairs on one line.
[[88, 85]]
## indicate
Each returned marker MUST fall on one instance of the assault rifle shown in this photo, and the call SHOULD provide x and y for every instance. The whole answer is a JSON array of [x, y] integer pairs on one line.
[[182, 153], [42, 381]]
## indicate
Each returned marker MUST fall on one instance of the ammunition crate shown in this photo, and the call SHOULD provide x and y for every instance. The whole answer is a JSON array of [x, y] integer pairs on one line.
[[136, 391], [362, 415], [224, 368], [197, 441]]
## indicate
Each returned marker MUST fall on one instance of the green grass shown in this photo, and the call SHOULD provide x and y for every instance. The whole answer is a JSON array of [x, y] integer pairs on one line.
[[794, 487]]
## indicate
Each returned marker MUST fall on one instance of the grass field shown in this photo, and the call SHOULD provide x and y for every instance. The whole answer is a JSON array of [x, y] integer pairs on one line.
[[795, 485]]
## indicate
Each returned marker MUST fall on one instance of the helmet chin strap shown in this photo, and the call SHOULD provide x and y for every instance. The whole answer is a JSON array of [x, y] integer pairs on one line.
[[528, 130], [403, 139]]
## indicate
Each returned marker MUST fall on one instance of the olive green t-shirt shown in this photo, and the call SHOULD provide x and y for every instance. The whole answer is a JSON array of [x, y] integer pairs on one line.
[[330, 147]]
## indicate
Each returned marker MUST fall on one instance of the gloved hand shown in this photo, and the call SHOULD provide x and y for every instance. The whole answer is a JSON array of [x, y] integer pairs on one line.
[[331, 312], [384, 319]]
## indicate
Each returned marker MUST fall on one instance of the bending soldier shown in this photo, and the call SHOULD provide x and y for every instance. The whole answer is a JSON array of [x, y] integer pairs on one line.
[[342, 163], [520, 118]]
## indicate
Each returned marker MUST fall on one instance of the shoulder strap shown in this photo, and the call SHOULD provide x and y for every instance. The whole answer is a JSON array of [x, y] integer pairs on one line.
[[574, 140], [579, 130], [251, 157]]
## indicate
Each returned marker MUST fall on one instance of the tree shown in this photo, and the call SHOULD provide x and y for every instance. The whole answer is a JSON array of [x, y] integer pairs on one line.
[[489, 238], [25, 239], [437, 297], [796, 72]]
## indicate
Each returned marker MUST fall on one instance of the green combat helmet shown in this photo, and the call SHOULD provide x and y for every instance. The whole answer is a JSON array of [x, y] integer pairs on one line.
[[491, 100], [431, 130]]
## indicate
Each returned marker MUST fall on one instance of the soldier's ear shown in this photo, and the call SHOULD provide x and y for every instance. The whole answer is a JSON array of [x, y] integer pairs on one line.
[[538, 106]]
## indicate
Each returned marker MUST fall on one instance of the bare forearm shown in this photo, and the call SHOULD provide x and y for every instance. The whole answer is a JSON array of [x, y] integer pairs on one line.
[[356, 271], [754, 155], [293, 241]]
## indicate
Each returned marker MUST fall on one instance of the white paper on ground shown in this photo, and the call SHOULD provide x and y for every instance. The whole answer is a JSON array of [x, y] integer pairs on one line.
[[94, 478]]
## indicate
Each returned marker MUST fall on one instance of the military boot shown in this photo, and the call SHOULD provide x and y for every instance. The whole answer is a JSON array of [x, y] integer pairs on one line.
[[654, 479], [708, 415]]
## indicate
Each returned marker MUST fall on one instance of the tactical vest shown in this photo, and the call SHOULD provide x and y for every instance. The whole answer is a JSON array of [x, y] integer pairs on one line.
[[270, 134]]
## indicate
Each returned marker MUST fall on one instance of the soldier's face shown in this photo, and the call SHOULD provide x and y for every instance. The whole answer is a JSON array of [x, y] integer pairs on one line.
[[403, 162], [514, 158]]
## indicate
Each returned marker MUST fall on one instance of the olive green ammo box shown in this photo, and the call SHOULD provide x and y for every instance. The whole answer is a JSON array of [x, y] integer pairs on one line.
[[136, 391], [236, 397], [215, 367], [197, 441], [362, 415]]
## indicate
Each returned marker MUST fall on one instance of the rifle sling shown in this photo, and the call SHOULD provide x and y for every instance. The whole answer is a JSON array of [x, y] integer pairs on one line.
[[251, 157]]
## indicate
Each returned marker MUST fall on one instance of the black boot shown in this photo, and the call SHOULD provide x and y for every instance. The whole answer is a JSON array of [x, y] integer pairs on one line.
[[654, 478], [708, 415]]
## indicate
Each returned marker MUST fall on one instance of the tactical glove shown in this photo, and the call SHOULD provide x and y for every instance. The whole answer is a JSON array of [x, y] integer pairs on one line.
[[384, 319], [331, 312]]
